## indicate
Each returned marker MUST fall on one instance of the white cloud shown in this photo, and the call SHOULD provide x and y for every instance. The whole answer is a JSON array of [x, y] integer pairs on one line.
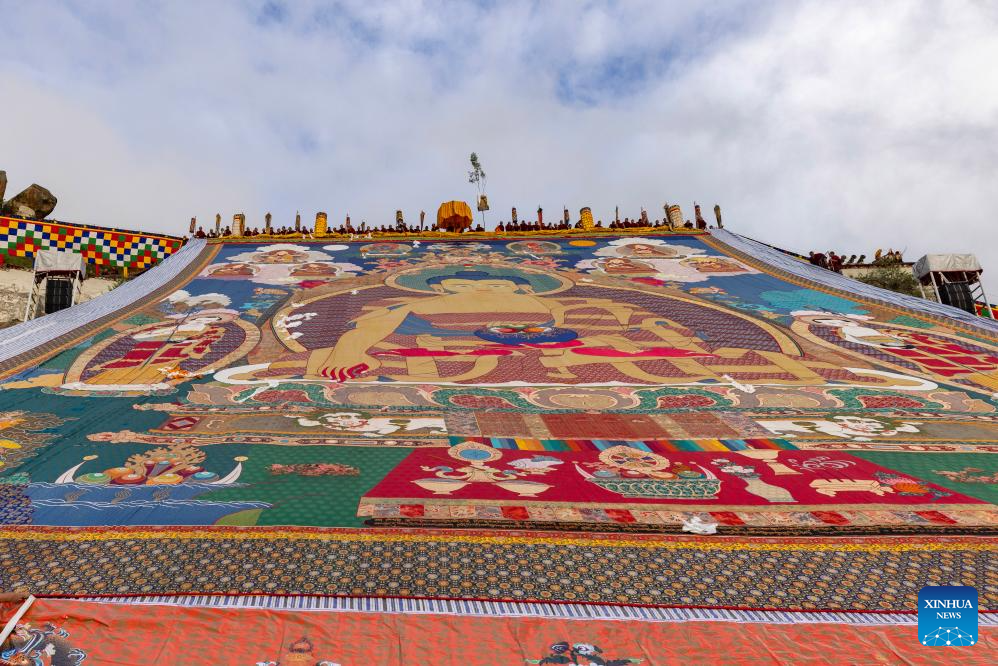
[[815, 125]]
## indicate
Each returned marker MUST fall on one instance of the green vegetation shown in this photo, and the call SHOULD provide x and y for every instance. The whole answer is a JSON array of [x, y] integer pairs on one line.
[[18, 262], [892, 275]]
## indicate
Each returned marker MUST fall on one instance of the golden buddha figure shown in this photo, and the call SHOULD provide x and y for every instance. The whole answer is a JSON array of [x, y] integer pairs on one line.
[[490, 325]]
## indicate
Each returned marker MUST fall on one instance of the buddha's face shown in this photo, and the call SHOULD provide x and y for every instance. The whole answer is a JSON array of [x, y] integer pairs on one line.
[[643, 250], [490, 286], [618, 265], [233, 269], [281, 257], [712, 265], [314, 269]]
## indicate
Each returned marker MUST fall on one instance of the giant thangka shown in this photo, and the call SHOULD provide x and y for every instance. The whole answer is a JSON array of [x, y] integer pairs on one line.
[[649, 419]]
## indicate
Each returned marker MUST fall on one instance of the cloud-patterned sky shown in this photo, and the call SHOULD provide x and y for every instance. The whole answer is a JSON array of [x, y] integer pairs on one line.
[[815, 125]]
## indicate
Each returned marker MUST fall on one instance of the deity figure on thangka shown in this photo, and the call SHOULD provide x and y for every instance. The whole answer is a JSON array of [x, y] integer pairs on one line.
[[48, 645], [281, 264], [494, 324], [934, 355], [155, 357], [654, 259], [152, 358]]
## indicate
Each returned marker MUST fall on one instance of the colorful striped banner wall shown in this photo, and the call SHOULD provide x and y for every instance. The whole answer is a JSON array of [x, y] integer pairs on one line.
[[100, 246], [652, 445]]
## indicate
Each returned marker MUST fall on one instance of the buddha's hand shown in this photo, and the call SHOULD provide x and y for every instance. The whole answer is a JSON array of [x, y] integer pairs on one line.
[[342, 374]]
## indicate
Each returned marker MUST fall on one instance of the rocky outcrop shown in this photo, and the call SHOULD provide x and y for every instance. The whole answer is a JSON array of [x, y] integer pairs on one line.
[[3, 184], [34, 203]]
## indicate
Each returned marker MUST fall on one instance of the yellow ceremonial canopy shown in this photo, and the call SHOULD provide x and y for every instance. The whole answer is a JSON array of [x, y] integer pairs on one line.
[[454, 216]]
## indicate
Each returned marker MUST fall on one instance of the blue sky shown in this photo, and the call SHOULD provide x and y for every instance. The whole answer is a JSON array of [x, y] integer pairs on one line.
[[815, 125]]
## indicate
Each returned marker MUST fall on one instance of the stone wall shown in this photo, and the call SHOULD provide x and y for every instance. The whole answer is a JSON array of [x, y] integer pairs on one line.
[[15, 285]]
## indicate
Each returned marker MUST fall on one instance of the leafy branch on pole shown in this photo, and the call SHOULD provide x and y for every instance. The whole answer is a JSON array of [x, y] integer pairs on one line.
[[477, 175]]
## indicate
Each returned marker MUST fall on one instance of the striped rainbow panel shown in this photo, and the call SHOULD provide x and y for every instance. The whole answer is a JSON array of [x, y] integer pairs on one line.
[[651, 445]]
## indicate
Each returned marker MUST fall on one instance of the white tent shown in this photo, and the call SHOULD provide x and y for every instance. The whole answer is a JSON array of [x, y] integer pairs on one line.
[[946, 263], [955, 279], [58, 260], [60, 268]]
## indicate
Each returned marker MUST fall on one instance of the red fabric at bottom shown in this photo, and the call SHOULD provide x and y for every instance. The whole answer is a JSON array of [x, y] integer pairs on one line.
[[137, 635]]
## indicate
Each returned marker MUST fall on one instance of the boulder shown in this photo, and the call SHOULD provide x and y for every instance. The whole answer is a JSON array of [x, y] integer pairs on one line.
[[3, 185], [34, 203]]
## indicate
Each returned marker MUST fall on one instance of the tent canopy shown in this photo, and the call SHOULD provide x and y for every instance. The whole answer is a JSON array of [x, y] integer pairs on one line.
[[58, 260], [946, 263]]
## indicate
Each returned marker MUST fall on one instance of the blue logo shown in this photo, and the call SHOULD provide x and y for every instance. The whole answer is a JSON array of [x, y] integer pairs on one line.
[[947, 615]]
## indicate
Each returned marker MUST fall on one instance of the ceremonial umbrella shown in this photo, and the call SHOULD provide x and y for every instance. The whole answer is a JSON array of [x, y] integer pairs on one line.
[[454, 216]]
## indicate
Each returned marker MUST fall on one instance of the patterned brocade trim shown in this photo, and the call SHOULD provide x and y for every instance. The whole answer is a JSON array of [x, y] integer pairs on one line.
[[873, 574], [489, 537]]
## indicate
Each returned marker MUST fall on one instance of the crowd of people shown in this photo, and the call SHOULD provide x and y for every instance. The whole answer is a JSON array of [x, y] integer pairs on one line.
[[626, 223], [829, 260], [227, 232], [835, 262], [502, 227], [211, 233]]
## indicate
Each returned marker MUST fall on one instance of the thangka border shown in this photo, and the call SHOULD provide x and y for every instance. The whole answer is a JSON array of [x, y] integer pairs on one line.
[[829, 574], [491, 536], [566, 611], [32, 340], [775, 262]]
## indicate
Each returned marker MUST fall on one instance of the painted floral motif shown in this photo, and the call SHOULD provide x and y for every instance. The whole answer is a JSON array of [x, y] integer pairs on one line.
[[447, 479], [855, 428], [969, 475], [904, 485], [299, 653], [371, 426], [640, 474], [21, 436], [315, 469], [15, 505]]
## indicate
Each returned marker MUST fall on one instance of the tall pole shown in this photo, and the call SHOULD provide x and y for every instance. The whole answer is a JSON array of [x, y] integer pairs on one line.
[[987, 304]]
